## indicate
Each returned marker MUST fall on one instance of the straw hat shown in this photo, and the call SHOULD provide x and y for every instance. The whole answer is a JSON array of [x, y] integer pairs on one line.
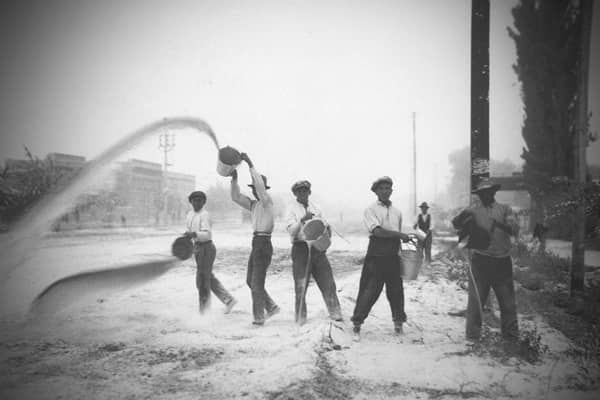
[[424, 205]]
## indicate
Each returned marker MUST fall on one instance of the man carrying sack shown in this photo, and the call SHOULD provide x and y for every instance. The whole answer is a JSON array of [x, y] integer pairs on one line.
[[298, 213], [198, 229], [382, 263], [491, 264], [424, 224], [263, 217]]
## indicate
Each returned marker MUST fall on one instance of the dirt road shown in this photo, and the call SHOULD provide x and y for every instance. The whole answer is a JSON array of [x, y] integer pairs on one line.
[[149, 342]]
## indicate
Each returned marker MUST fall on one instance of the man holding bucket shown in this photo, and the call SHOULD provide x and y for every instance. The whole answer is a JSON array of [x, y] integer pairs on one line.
[[298, 214], [198, 229], [382, 264], [262, 250], [491, 266]]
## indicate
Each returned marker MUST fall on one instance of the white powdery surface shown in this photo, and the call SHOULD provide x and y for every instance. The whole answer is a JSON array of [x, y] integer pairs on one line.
[[149, 341], [432, 357]]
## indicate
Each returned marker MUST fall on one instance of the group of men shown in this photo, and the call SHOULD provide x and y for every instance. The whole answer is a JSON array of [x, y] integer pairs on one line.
[[381, 265]]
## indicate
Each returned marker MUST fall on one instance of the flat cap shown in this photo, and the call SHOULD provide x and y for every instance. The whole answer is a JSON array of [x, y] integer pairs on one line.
[[383, 179], [196, 194], [300, 184]]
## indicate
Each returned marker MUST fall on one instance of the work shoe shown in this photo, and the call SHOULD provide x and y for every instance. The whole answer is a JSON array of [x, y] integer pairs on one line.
[[257, 324], [275, 310], [356, 333], [398, 328], [230, 305]]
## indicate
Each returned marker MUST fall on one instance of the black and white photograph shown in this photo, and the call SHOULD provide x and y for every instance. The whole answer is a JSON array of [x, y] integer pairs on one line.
[[300, 200]]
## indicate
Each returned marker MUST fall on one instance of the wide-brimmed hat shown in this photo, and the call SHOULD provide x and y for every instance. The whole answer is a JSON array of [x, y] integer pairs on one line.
[[486, 184], [196, 194], [264, 178], [424, 205], [383, 179], [300, 184]]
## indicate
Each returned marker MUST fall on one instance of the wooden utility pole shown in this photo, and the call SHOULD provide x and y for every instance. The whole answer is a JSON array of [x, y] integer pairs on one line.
[[480, 87], [414, 199], [581, 137]]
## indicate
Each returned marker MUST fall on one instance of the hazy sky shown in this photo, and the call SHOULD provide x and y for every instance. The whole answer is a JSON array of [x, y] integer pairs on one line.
[[322, 90]]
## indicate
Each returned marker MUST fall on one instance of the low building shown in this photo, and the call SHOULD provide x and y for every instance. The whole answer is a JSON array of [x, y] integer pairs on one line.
[[68, 162]]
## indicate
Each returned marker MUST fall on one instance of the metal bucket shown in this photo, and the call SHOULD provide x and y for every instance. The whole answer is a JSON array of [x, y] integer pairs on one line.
[[182, 248], [411, 260], [229, 159], [420, 234], [316, 234]]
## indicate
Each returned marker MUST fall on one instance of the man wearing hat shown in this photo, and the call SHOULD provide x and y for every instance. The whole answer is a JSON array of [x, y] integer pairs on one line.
[[263, 218], [382, 264], [198, 229], [298, 213], [424, 223], [491, 266]]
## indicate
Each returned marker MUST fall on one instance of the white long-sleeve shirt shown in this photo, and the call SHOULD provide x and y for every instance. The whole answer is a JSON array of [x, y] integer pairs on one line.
[[200, 223], [263, 215], [294, 214]]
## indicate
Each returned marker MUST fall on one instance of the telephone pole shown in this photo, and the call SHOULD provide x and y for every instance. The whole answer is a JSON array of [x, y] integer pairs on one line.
[[414, 199], [581, 142], [166, 142], [480, 87]]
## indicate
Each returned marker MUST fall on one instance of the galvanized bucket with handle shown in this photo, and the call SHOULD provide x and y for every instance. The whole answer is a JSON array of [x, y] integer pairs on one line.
[[411, 259]]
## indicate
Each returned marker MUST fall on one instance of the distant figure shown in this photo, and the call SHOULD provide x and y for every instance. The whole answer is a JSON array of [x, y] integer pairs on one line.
[[424, 223], [123, 220], [382, 264], [491, 264], [262, 250], [298, 213], [198, 229], [539, 233]]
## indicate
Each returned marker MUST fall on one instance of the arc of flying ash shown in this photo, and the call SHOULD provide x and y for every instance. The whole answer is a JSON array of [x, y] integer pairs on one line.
[[82, 286]]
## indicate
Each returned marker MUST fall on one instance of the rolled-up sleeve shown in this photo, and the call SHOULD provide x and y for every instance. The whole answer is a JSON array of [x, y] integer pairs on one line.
[[370, 220], [204, 232], [293, 223]]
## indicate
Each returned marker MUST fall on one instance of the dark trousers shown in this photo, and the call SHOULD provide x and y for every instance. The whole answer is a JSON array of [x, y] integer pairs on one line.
[[425, 247], [205, 279], [496, 273], [259, 261], [376, 271], [320, 269]]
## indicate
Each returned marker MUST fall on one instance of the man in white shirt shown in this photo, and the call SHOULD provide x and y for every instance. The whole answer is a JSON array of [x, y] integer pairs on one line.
[[423, 222], [298, 213], [263, 218], [382, 264], [198, 229]]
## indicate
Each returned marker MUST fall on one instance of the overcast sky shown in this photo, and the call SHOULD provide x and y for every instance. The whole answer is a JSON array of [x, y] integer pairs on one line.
[[322, 90]]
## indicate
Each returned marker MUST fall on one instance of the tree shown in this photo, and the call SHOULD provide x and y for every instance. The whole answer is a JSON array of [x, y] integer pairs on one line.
[[552, 40], [546, 36], [21, 187]]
